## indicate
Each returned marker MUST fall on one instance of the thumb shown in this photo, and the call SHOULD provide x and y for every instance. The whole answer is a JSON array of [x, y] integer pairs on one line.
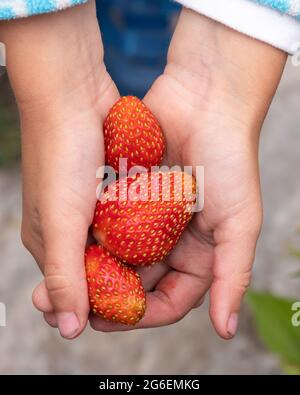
[[233, 262], [65, 290]]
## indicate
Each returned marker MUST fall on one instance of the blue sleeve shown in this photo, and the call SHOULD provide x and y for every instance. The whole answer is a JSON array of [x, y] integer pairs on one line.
[[10, 9]]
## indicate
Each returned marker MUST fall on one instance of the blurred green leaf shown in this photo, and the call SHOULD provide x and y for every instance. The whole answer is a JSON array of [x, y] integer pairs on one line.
[[273, 316], [9, 137], [292, 370], [294, 252]]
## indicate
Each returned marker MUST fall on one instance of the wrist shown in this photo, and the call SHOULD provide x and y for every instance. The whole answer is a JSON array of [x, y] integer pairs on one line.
[[54, 58], [239, 74]]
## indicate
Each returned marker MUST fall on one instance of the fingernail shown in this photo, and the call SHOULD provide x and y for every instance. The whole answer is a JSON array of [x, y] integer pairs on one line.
[[68, 324], [232, 324]]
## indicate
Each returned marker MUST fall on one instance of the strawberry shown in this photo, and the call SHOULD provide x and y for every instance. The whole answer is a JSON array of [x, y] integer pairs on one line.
[[115, 290], [140, 219], [131, 131]]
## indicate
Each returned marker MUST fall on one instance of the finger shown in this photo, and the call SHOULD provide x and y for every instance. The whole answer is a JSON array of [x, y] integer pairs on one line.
[[151, 275], [51, 320], [199, 303], [65, 278], [232, 273], [41, 300], [174, 296]]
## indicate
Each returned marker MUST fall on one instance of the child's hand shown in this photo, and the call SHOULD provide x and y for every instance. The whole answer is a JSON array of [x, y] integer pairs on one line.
[[63, 91], [211, 102]]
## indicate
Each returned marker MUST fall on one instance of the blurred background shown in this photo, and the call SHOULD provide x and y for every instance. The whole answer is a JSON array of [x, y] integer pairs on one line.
[[136, 35]]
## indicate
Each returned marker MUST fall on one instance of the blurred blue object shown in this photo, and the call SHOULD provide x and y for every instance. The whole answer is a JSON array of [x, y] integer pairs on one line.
[[136, 36]]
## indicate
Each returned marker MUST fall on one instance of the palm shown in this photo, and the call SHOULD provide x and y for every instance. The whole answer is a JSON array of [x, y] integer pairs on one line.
[[227, 227]]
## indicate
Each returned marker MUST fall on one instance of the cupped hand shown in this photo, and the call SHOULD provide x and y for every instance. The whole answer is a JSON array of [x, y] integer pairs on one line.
[[63, 93], [211, 102]]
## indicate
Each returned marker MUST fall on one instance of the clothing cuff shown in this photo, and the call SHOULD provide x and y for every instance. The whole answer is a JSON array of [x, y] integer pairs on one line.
[[262, 23]]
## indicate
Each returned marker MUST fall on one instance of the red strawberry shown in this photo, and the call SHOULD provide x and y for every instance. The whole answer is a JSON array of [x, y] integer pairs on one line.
[[115, 290], [141, 223], [131, 131]]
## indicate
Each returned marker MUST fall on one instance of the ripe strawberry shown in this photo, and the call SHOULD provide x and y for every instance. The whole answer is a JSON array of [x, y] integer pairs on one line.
[[141, 222], [131, 131], [115, 290]]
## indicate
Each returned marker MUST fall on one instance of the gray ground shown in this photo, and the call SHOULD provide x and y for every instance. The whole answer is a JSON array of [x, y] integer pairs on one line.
[[27, 345]]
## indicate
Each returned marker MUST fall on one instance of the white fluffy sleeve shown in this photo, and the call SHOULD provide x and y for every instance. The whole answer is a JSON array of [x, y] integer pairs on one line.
[[265, 24]]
